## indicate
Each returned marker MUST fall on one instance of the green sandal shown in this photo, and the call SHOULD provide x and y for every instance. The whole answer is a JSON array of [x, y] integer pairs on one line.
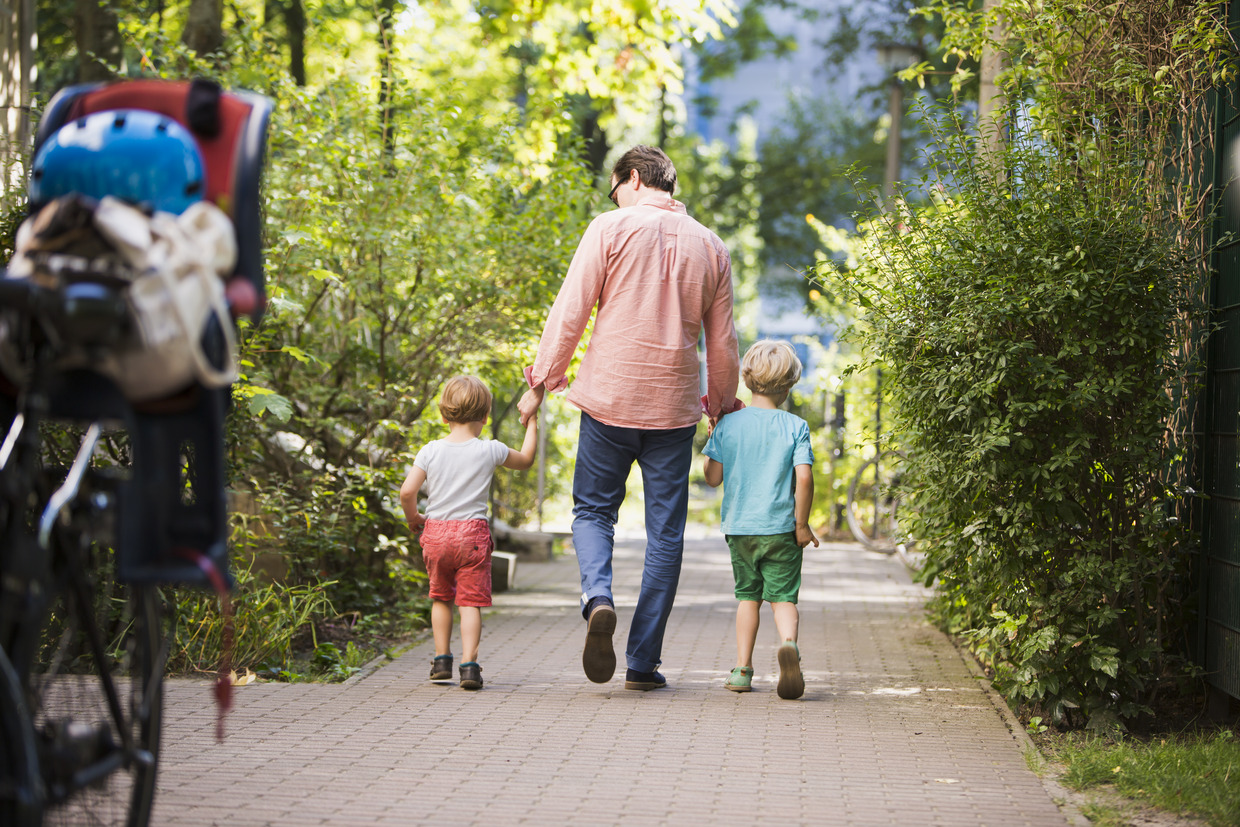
[[740, 679]]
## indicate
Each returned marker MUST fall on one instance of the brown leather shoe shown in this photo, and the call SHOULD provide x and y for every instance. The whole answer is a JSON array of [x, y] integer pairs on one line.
[[644, 681], [471, 676], [441, 669]]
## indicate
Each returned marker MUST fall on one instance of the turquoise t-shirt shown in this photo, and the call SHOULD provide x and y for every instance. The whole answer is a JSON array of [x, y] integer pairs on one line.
[[758, 449]]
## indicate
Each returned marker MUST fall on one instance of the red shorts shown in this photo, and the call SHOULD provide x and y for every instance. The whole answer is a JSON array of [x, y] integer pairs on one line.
[[457, 554]]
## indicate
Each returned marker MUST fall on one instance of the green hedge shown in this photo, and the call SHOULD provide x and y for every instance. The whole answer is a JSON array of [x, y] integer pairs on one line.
[[1028, 327]]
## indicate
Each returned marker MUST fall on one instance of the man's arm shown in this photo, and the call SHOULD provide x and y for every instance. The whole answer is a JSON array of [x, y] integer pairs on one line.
[[804, 500], [570, 313], [529, 404], [723, 365]]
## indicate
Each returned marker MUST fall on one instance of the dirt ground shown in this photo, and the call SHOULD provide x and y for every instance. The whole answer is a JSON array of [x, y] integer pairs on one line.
[[1133, 813]]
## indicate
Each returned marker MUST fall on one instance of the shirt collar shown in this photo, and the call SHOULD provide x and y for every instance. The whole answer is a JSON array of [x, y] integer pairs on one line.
[[651, 197]]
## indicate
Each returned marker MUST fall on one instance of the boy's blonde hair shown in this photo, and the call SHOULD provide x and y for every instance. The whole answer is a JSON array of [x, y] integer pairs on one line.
[[770, 367], [465, 399]]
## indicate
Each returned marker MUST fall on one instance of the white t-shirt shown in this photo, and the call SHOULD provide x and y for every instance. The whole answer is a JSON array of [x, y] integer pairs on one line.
[[458, 476]]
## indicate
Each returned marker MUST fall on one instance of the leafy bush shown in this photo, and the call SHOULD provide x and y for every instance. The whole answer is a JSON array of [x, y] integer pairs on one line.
[[338, 664], [391, 267], [340, 533], [267, 617], [393, 260], [1027, 327]]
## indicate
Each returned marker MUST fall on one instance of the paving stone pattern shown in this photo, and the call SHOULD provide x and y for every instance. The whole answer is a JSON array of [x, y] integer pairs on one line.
[[894, 726]]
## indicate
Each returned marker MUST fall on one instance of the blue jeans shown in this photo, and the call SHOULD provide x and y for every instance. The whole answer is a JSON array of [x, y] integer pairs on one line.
[[605, 454]]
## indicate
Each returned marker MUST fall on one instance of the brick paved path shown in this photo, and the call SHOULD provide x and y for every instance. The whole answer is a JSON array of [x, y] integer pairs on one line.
[[894, 727]]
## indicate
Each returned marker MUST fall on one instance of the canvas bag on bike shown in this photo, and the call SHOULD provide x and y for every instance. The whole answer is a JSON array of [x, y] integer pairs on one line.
[[174, 266]]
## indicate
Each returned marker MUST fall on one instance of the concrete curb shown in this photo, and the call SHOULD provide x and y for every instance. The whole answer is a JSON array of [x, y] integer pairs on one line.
[[377, 663], [1061, 795]]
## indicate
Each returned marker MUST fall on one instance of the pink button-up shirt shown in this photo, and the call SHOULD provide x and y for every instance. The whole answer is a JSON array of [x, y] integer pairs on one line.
[[659, 279]]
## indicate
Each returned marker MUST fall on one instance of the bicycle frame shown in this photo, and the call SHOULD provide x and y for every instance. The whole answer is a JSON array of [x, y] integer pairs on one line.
[[61, 698]]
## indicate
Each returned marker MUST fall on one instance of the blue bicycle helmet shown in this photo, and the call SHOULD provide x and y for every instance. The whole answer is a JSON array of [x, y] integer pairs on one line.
[[139, 156]]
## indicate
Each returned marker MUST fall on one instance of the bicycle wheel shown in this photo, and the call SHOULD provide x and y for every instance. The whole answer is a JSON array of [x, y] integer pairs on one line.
[[21, 791], [97, 722], [873, 505]]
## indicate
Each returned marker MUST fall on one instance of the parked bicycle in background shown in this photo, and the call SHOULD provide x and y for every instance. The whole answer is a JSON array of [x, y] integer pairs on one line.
[[875, 506]]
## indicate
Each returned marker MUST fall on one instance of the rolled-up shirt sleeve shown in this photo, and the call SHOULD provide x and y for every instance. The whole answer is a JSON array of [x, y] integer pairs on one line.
[[570, 313], [722, 358]]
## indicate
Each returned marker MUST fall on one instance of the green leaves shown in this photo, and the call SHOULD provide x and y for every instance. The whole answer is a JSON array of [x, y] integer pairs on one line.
[[1028, 330], [1104, 660], [263, 400]]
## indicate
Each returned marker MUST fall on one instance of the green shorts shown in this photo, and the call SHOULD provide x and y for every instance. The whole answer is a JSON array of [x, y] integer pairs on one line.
[[766, 566]]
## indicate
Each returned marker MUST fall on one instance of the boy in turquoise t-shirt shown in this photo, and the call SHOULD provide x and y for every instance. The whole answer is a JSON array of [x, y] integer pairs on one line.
[[763, 458]]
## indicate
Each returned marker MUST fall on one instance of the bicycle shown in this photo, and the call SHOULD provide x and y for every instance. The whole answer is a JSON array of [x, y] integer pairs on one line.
[[81, 724], [86, 545], [874, 504]]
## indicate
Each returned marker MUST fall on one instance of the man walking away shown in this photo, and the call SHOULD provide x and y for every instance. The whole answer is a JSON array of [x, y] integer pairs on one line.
[[659, 280]]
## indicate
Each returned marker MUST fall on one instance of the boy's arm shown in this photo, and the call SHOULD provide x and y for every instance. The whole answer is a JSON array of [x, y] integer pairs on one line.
[[523, 459], [712, 468], [409, 498], [713, 471], [804, 500]]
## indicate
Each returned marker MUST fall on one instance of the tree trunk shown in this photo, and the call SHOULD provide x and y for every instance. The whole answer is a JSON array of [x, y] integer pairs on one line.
[[204, 26], [98, 41], [19, 32], [295, 24], [594, 137], [992, 105], [387, 80], [286, 22]]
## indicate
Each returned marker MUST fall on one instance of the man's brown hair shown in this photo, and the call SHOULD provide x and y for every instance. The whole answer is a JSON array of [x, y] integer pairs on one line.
[[653, 167], [465, 399]]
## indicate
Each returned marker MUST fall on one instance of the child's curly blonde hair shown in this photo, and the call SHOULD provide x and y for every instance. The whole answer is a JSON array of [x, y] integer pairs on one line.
[[770, 368], [465, 399]]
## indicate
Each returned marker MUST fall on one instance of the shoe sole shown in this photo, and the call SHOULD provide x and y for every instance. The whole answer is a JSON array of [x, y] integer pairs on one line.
[[471, 685], [791, 681], [441, 681], [643, 686], [739, 688], [598, 659]]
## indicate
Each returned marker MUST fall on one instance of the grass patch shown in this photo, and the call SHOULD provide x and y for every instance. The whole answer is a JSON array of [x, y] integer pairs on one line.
[[1104, 815], [286, 632], [327, 662], [1195, 774]]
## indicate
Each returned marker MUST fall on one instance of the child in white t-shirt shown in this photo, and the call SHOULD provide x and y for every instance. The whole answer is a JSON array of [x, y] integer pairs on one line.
[[456, 536]]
